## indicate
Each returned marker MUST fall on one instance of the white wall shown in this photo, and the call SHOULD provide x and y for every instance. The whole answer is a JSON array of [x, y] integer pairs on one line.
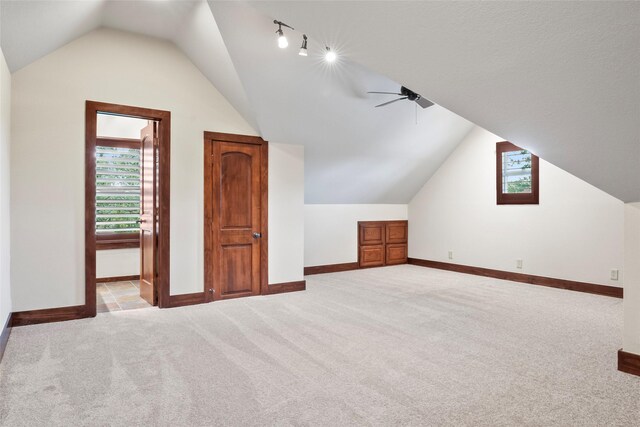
[[48, 158], [286, 213], [117, 262], [331, 231], [5, 238], [575, 233], [631, 302], [119, 126]]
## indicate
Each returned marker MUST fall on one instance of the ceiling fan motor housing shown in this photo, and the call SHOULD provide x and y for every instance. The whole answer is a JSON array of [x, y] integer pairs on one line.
[[409, 93]]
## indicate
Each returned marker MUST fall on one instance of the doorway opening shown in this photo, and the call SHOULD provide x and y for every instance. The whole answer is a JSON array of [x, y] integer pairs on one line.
[[126, 207]]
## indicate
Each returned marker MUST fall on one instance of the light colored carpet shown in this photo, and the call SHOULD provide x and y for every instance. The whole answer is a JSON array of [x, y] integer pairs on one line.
[[398, 345]]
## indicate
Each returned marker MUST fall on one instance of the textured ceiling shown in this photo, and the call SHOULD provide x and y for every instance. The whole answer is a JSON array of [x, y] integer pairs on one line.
[[354, 153], [31, 29], [560, 78]]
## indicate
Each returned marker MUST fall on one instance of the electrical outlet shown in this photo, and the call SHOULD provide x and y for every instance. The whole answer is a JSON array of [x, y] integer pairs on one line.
[[614, 274], [518, 263], [450, 254]]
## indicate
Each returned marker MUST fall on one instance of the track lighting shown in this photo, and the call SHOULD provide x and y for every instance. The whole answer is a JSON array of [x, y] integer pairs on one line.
[[330, 55], [282, 40], [303, 48]]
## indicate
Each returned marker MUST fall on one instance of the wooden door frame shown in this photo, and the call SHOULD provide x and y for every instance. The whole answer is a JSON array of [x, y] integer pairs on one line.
[[92, 108], [211, 138]]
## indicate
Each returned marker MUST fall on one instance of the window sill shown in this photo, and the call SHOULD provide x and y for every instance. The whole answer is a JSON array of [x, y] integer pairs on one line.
[[106, 244], [530, 200]]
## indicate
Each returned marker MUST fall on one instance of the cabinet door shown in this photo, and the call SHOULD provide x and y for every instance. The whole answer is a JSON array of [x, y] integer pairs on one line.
[[396, 253], [396, 232], [371, 256], [371, 233]]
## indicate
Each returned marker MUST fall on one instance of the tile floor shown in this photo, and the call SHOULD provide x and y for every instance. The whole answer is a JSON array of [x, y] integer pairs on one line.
[[117, 296]]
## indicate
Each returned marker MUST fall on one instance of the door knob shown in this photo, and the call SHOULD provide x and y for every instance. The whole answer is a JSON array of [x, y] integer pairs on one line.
[[257, 235]]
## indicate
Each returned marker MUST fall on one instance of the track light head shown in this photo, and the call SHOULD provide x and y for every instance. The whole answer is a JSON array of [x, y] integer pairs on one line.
[[303, 48], [282, 40], [330, 56]]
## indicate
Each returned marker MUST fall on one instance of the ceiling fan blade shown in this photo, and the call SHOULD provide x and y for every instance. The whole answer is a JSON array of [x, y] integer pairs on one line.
[[387, 93], [424, 102], [391, 102]]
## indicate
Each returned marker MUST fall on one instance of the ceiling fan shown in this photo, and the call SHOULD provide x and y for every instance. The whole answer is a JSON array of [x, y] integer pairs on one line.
[[406, 94]]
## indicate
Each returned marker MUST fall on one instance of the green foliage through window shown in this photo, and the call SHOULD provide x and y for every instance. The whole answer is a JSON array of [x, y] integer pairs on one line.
[[117, 190], [516, 172]]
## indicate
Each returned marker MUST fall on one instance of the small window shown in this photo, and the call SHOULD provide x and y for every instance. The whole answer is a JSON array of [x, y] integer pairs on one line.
[[117, 193], [516, 175]]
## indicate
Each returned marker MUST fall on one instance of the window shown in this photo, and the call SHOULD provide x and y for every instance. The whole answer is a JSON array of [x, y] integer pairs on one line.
[[516, 175], [117, 193]]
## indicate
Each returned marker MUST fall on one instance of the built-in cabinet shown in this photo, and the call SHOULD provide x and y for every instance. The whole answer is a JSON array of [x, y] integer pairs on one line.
[[382, 243]]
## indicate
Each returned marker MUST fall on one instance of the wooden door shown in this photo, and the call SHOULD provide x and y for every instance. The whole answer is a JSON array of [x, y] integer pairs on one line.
[[396, 254], [148, 213], [371, 256], [396, 232], [382, 243], [371, 243], [236, 218]]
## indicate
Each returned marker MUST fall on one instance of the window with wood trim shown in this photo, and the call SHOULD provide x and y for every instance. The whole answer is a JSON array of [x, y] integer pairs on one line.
[[517, 175], [117, 193]]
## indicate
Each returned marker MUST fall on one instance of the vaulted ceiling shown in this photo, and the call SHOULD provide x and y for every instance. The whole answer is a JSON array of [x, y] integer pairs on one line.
[[560, 78], [30, 30], [354, 152]]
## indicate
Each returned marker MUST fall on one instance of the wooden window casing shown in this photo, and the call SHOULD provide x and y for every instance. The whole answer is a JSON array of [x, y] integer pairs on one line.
[[529, 198]]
